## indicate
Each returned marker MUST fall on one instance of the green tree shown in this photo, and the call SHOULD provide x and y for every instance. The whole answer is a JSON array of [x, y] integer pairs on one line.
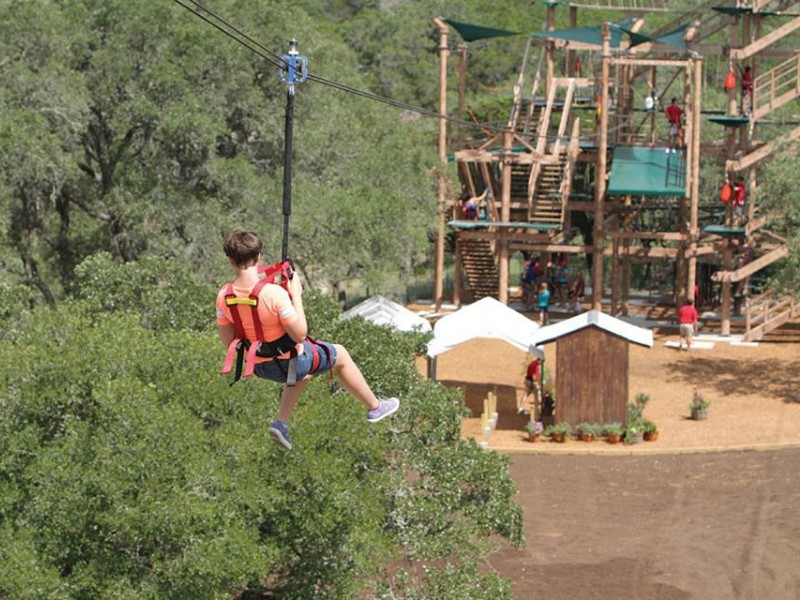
[[778, 196], [129, 468], [139, 129]]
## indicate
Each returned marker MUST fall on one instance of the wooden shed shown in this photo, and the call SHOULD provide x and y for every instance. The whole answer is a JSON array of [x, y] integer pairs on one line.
[[592, 360]]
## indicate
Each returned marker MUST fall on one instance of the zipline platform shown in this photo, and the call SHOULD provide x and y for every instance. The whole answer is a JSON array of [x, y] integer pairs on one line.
[[645, 171], [512, 225], [730, 121], [724, 230]]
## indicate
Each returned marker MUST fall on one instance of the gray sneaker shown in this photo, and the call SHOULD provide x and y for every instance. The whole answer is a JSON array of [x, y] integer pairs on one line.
[[279, 432], [386, 408]]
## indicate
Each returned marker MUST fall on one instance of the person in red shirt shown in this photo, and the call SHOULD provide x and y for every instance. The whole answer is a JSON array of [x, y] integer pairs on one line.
[[674, 114], [687, 319], [747, 89], [738, 200], [531, 387]]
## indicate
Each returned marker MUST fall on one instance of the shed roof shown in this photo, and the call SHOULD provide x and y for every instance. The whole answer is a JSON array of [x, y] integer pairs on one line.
[[486, 318], [593, 318], [382, 311]]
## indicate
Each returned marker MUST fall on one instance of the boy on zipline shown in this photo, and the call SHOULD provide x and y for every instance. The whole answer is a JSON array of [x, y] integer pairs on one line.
[[269, 324]]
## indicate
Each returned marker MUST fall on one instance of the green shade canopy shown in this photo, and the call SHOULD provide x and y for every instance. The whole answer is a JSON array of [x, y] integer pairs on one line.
[[642, 171], [471, 33], [589, 35]]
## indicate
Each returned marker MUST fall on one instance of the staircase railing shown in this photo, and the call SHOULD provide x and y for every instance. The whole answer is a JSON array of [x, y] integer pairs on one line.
[[572, 157], [776, 87], [765, 151], [515, 108], [766, 313]]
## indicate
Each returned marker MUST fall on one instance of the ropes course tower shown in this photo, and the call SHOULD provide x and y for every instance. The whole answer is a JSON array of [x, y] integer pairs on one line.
[[587, 155]]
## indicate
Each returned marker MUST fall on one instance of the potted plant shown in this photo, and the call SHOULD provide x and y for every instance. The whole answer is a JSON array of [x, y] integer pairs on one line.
[[589, 431], [558, 432], [613, 432], [650, 431], [634, 431], [699, 407], [534, 429]]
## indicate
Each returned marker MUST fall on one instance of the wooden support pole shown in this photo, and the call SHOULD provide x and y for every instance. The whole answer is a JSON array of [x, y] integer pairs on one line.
[[505, 213], [462, 93], [694, 172], [572, 55], [438, 269], [627, 222], [550, 47], [457, 274], [600, 177]]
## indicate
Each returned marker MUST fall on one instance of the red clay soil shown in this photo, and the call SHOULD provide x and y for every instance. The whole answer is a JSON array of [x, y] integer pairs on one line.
[[709, 511]]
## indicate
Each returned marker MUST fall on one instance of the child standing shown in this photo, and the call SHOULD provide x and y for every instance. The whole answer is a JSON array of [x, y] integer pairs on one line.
[[544, 303]]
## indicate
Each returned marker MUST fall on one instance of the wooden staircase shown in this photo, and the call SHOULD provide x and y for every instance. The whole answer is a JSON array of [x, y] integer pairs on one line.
[[776, 87], [480, 268], [547, 206], [756, 156], [766, 313], [766, 40]]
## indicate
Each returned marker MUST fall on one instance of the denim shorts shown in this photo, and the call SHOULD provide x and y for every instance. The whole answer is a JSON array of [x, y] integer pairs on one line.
[[277, 370]]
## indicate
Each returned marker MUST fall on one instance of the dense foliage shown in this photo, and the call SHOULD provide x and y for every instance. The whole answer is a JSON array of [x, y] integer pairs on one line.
[[129, 468]]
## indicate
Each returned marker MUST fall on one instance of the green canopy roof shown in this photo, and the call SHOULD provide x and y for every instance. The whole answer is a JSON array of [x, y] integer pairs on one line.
[[471, 33], [590, 34]]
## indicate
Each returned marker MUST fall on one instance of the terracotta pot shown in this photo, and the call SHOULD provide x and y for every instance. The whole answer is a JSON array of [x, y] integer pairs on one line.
[[613, 438], [534, 437], [558, 437], [587, 437], [650, 436], [699, 414]]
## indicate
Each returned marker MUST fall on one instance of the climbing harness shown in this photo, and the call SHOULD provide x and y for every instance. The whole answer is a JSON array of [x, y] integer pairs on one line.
[[292, 71]]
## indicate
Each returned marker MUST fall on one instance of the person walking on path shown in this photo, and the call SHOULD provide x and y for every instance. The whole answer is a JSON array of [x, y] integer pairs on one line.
[[687, 321], [544, 303], [285, 350]]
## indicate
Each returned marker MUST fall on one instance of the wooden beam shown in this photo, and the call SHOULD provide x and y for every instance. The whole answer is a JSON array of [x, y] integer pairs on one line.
[[643, 235], [769, 39], [650, 62], [752, 267]]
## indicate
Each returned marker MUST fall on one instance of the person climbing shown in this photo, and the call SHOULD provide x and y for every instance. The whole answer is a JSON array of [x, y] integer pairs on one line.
[[747, 90], [651, 101], [674, 114], [738, 201], [268, 324]]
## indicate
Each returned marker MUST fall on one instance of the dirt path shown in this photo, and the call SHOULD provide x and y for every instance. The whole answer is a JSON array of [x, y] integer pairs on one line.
[[697, 515], [670, 527]]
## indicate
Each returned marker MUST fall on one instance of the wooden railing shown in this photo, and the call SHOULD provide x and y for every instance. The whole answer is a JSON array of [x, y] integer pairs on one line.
[[765, 151], [572, 157], [776, 87], [766, 313]]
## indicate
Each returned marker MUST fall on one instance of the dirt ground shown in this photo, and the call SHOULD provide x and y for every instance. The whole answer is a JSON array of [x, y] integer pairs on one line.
[[708, 511]]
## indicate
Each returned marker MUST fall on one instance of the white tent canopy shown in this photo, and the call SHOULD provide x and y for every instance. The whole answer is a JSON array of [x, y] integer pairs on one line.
[[486, 318], [381, 311]]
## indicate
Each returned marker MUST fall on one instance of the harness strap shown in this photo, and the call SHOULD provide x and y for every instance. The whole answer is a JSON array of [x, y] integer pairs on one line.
[[242, 348]]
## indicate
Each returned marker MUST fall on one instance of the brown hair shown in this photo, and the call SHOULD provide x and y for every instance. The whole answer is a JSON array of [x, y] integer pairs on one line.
[[241, 246]]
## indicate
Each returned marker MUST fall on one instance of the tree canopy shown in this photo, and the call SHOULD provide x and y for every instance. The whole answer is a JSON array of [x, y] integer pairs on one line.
[[129, 468]]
